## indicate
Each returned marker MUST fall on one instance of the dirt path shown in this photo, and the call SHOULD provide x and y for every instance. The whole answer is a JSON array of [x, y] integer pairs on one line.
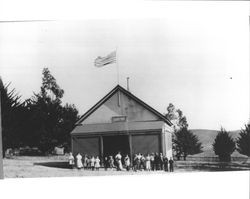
[[56, 166]]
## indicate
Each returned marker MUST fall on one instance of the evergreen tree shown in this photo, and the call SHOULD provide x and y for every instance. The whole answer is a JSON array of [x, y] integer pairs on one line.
[[185, 143], [224, 145], [51, 122], [14, 114], [243, 142]]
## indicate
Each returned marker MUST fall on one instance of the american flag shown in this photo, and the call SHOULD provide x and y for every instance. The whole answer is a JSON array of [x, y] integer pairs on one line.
[[103, 61]]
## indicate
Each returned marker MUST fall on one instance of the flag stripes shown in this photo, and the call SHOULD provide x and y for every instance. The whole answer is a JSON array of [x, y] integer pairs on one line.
[[109, 59]]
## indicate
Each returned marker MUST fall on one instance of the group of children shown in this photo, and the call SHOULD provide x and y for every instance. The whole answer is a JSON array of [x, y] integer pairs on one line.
[[86, 162], [149, 162]]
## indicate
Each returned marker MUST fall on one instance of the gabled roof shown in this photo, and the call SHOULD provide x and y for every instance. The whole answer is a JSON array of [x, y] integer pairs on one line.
[[127, 93]]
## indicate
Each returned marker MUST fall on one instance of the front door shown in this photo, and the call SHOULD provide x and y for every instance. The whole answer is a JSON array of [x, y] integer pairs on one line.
[[114, 144]]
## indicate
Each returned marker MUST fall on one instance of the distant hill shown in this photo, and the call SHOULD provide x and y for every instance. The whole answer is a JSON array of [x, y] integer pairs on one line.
[[206, 137]]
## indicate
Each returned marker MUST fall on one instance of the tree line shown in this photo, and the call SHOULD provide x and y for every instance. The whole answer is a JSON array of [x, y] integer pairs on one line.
[[41, 121], [186, 143]]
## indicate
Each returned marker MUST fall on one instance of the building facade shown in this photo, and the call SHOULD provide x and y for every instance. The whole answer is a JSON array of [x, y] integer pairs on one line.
[[122, 122]]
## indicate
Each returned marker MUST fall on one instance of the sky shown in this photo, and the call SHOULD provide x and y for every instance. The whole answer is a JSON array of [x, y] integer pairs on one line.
[[194, 56]]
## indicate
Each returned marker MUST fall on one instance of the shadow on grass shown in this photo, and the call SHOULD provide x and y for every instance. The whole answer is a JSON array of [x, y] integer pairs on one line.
[[60, 165]]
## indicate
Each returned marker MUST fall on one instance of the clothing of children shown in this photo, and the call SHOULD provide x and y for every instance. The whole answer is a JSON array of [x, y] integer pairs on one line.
[[118, 158], [79, 161], [111, 162], [92, 163], [127, 162], [148, 166], [97, 163], [85, 162], [106, 163], [71, 160]]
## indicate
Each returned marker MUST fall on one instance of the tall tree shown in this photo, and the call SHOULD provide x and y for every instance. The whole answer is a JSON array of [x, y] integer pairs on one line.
[[51, 122], [185, 143], [224, 145], [243, 141], [176, 117]]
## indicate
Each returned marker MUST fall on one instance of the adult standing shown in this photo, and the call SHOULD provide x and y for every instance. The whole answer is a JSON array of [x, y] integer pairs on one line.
[[79, 161], [165, 161], [118, 159], [171, 164], [161, 161], [157, 161]]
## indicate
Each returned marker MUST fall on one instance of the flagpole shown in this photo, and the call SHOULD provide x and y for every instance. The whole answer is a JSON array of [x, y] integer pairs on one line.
[[117, 66]]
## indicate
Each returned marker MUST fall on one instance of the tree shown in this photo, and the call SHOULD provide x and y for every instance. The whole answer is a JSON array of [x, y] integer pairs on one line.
[[185, 143], [14, 114], [243, 142], [51, 122], [176, 117], [224, 145], [67, 123]]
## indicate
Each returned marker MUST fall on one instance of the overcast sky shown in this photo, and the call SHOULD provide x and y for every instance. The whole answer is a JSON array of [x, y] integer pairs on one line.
[[198, 60]]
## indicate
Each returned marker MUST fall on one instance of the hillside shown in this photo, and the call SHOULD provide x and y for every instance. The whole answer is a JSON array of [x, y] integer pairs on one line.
[[207, 137]]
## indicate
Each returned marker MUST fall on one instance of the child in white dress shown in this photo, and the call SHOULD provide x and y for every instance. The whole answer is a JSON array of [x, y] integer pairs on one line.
[[127, 162], [97, 163], [148, 166], [79, 161]]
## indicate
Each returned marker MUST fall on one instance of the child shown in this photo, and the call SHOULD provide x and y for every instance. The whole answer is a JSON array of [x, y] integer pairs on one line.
[[127, 162], [111, 162], [152, 161], [136, 162], [106, 163], [171, 164], [89, 162], [97, 163], [92, 163], [79, 161], [148, 166], [142, 164], [71, 160], [85, 162]]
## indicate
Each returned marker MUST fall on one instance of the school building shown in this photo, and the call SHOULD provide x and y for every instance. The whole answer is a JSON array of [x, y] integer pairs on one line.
[[122, 122]]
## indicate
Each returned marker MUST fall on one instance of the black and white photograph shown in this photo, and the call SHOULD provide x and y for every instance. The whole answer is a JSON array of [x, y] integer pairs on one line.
[[126, 96]]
